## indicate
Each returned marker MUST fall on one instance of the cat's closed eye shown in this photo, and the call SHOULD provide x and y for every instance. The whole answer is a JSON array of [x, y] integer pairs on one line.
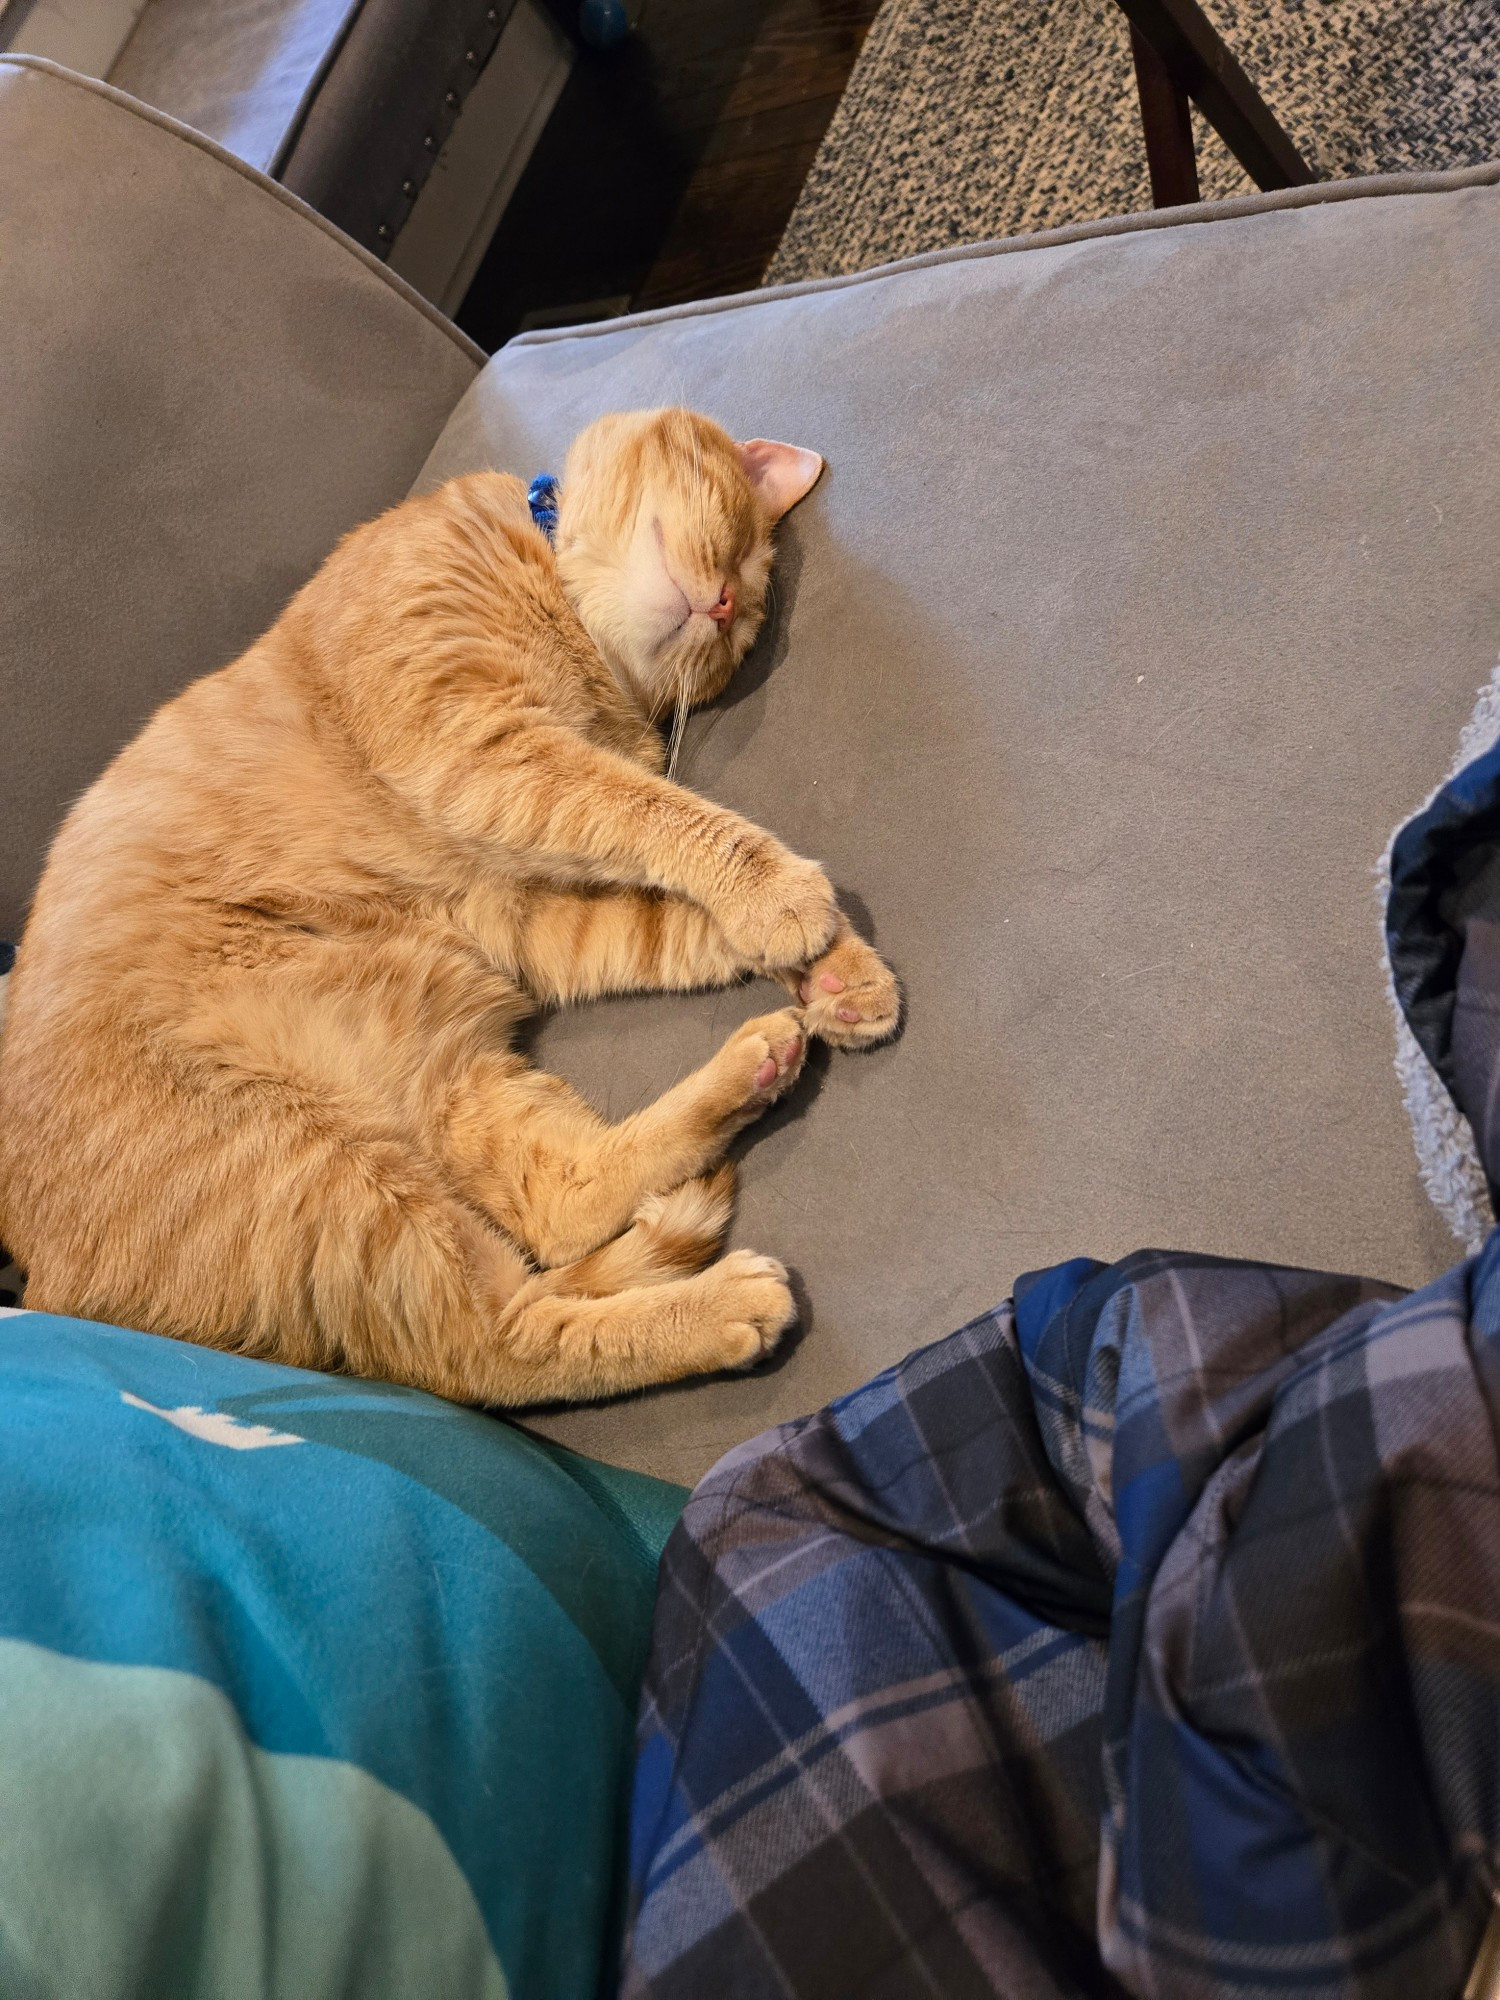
[[680, 552]]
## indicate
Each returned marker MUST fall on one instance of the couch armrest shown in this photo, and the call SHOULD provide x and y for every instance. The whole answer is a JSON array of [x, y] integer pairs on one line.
[[205, 385]]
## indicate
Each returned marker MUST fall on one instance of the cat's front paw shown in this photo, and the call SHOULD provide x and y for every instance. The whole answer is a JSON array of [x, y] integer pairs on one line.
[[784, 918], [849, 996]]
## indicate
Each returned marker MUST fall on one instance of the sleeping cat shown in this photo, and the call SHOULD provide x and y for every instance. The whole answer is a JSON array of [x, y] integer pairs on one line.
[[257, 1082]]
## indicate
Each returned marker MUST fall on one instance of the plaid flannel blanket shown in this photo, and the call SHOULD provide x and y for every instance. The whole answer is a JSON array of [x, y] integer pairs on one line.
[[1143, 1636]]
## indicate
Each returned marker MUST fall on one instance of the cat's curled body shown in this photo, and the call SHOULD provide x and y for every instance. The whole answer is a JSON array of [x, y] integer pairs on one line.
[[257, 1081]]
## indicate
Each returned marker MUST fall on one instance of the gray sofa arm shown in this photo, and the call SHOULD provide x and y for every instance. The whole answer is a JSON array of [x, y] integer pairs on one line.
[[204, 386]]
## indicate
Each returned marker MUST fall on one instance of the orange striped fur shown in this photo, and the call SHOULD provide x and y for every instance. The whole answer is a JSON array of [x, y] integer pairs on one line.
[[258, 1085]]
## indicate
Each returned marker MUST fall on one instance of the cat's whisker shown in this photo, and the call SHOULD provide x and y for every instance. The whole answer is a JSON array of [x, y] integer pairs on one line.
[[679, 723]]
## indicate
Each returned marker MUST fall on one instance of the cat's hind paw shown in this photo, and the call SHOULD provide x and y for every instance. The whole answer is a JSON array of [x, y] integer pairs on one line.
[[753, 1304], [761, 1061]]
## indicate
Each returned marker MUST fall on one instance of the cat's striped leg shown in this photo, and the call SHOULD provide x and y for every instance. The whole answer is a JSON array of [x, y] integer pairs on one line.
[[555, 1344], [410, 1286], [582, 813], [579, 944], [530, 1153]]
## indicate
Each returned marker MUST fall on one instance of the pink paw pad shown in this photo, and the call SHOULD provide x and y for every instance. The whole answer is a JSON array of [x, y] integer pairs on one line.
[[829, 981], [775, 1066]]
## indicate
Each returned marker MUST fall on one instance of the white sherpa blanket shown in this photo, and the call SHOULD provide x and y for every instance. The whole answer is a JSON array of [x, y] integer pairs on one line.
[[1447, 1157]]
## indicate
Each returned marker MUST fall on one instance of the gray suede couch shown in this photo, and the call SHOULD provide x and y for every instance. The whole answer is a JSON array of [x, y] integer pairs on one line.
[[1152, 578], [346, 102]]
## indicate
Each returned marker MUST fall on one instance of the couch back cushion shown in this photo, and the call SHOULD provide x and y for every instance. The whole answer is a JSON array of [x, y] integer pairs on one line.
[[204, 387]]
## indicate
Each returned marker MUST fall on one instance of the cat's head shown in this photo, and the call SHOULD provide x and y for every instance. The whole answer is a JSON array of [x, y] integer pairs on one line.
[[664, 545]]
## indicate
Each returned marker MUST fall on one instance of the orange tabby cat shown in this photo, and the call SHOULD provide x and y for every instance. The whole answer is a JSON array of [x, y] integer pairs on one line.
[[257, 1085]]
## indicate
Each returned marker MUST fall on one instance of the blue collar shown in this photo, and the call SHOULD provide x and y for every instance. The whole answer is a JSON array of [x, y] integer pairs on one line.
[[541, 498]]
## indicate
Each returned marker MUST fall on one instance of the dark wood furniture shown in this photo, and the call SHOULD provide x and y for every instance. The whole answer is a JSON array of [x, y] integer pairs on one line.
[[1180, 57]]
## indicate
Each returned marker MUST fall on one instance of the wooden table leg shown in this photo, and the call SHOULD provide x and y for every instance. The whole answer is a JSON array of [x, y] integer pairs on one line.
[[1196, 60], [1166, 119]]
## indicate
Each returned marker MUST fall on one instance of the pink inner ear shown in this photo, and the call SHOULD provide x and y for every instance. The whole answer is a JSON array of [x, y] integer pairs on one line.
[[780, 473]]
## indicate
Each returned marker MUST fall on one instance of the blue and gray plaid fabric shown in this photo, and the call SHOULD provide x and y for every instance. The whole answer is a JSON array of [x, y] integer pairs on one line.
[[1144, 1635]]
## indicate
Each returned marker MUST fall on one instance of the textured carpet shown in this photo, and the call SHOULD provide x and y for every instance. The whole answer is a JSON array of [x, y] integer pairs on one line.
[[967, 119]]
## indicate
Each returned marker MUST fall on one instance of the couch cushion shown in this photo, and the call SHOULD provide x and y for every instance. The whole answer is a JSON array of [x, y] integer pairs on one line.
[[240, 71], [345, 101], [1152, 578], [204, 387]]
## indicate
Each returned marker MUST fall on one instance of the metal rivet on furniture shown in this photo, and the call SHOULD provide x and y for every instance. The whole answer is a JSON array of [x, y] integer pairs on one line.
[[471, 59], [408, 188], [452, 99], [430, 143], [383, 233], [492, 14]]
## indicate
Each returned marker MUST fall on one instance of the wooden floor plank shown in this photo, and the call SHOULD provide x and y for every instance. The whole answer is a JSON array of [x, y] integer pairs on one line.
[[686, 269], [669, 167]]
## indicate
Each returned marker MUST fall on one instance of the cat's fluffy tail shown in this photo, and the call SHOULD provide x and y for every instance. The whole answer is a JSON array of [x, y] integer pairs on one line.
[[672, 1236], [681, 1231]]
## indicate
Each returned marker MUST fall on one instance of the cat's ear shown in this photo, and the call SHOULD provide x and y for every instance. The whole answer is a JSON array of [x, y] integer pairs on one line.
[[780, 473]]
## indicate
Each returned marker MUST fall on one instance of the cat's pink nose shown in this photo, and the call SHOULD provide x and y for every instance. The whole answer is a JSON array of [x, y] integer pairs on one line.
[[722, 613]]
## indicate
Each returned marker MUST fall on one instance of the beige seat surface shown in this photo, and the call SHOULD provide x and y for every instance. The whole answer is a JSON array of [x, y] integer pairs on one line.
[[1151, 580]]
